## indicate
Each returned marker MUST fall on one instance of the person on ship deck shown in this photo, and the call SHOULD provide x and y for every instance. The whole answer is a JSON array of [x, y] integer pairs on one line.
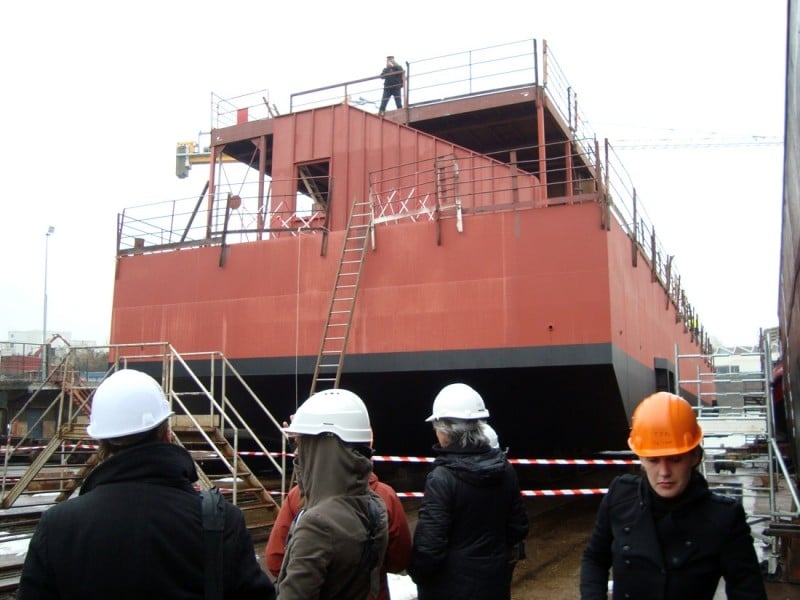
[[394, 77]]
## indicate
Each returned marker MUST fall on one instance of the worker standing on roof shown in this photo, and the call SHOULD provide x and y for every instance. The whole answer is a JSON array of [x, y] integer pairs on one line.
[[664, 533], [471, 517], [337, 542], [394, 77], [136, 529]]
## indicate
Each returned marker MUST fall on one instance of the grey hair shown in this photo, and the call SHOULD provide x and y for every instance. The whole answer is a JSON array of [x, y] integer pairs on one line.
[[462, 433]]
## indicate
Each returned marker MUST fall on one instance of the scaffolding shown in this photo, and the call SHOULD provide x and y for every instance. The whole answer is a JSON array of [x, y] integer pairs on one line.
[[743, 456]]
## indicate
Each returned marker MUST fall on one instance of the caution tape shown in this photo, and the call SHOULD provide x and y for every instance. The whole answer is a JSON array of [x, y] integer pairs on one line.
[[32, 448], [578, 492], [522, 461], [574, 461], [405, 459], [525, 493], [531, 493]]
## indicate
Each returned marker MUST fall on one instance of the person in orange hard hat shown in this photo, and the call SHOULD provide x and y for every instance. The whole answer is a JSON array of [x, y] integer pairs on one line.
[[664, 533]]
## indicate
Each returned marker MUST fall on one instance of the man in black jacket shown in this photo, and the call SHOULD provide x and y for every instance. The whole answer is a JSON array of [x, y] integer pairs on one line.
[[393, 79], [136, 529], [663, 533]]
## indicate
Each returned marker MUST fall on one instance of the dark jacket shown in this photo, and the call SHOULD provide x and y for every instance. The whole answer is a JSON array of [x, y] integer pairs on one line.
[[393, 76], [470, 517], [670, 549], [135, 531], [398, 552], [328, 538]]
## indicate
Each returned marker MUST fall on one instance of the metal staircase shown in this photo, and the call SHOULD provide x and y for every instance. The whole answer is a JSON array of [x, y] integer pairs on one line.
[[40, 473], [56, 470], [219, 465], [328, 368]]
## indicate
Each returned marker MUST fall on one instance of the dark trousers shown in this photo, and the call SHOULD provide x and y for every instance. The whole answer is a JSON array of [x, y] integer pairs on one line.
[[388, 92]]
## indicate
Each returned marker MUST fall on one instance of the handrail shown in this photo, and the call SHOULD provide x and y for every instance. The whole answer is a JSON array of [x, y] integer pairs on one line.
[[62, 411], [230, 406]]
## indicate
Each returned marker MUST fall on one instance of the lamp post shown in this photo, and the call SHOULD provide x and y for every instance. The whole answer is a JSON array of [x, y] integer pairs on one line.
[[45, 353]]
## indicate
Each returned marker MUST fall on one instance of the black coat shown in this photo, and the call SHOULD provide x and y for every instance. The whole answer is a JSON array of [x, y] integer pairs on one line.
[[470, 517], [670, 550], [135, 531], [393, 76]]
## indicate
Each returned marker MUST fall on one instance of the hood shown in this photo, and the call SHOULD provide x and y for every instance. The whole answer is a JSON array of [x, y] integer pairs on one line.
[[481, 466], [158, 463], [328, 467]]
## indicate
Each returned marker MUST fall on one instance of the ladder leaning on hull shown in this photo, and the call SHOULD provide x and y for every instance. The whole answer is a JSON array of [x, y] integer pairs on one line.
[[328, 369]]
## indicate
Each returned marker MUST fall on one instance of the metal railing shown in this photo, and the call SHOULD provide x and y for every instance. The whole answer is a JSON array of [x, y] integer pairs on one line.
[[513, 65], [64, 410], [242, 218]]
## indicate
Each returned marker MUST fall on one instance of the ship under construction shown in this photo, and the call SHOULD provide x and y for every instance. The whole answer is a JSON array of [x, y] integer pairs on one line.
[[481, 233]]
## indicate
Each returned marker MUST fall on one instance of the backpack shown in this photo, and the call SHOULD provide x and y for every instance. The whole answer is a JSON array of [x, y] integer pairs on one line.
[[213, 511]]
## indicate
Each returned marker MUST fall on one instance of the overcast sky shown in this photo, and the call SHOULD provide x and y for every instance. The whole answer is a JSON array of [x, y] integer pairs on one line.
[[98, 93]]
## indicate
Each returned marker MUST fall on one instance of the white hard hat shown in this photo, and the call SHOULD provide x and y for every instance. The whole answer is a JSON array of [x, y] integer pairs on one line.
[[335, 411], [125, 403], [458, 401], [491, 435]]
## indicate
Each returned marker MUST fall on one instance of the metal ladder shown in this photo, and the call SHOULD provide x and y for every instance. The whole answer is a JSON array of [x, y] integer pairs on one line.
[[328, 369]]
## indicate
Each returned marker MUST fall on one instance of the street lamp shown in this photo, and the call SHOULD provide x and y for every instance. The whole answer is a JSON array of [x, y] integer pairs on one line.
[[44, 353]]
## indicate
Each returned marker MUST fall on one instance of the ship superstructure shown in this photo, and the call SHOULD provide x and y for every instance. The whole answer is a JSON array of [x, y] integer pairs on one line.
[[481, 234]]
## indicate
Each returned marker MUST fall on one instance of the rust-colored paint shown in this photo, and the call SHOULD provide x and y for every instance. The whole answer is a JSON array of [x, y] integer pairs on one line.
[[483, 288], [521, 274]]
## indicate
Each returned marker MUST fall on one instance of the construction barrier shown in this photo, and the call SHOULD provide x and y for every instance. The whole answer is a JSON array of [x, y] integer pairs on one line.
[[428, 459]]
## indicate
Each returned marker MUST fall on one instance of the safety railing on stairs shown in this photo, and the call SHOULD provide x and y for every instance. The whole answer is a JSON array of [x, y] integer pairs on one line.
[[61, 461], [224, 415], [53, 470]]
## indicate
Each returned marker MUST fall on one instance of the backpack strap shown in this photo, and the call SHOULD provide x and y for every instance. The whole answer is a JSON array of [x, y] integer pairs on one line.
[[213, 510], [369, 553]]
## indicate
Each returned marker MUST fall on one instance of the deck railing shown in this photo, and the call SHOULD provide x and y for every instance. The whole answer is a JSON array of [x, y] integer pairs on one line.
[[408, 190]]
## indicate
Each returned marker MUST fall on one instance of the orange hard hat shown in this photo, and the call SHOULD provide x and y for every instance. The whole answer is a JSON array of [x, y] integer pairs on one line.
[[664, 425]]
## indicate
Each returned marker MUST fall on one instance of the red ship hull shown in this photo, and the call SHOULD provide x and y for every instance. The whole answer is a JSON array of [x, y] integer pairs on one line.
[[506, 271]]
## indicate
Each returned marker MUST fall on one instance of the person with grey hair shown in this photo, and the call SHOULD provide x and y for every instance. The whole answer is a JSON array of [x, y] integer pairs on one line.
[[471, 517], [136, 530]]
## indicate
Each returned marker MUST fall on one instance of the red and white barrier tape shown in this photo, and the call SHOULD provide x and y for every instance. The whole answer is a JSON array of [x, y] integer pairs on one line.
[[574, 461], [403, 459], [522, 461], [419, 459], [578, 492], [526, 493]]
